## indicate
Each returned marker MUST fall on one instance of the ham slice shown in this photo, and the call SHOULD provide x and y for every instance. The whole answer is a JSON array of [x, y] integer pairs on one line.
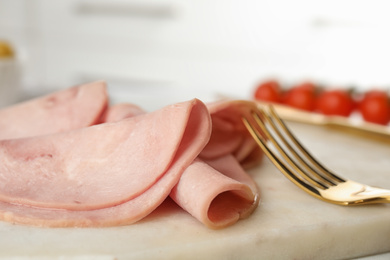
[[218, 193], [197, 130], [229, 134], [64, 110], [111, 163], [121, 111], [118, 171], [215, 188]]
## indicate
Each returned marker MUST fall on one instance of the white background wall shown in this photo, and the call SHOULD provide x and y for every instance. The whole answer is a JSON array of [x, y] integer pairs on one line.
[[162, 51]]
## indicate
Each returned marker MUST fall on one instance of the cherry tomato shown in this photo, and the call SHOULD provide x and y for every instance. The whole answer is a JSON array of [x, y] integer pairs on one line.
[[269, 91], [335, 102], [375, 107], [309, 86], [302, 96]]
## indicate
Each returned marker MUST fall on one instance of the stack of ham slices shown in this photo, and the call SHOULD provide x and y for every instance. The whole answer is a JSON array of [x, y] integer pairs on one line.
[[69, 159]]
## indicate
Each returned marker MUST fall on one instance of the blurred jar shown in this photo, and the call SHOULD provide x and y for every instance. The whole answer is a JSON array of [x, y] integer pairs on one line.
[[9, 75]]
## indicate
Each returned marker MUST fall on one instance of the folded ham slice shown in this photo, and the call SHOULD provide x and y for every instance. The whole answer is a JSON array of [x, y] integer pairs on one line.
[[121, 111], [192, 116], [120, 170], [229, 134], [215, 188], [64, 110]]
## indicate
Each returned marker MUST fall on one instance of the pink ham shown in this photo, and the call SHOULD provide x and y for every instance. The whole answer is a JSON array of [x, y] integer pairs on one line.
[[229, 134], [100, 166], [197, 130], [117, 173], [120, 111], [216, 190], [64, 110], [218, 193]]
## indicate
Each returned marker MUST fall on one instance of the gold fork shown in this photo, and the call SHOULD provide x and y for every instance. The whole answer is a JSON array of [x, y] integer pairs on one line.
[[298, 165]]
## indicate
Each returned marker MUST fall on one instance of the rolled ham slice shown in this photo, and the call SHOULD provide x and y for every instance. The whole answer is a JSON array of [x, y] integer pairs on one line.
[[65, 110], [218, 193], [215, 189]]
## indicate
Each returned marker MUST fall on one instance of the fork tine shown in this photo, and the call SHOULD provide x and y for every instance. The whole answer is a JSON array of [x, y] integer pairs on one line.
[[307, 164], [285, 169], [324, 172], [263, 120]]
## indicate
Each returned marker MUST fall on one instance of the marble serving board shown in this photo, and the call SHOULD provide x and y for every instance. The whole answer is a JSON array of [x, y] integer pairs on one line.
[[288, 224]]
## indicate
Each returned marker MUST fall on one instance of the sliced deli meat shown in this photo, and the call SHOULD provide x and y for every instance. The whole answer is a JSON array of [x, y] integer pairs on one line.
[[123, 214], [229, 135], [121, 111], [61, 111], [195, 136], [102, 165], [215, 188], [118, 171], [218, 193]]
